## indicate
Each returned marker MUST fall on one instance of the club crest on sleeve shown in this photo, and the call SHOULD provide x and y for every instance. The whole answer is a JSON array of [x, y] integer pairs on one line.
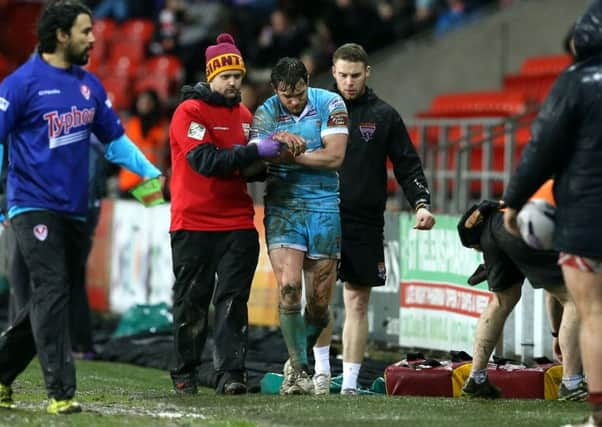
[[40, 232], [4, 104], [367, 130], [85, 90], [196, 131]]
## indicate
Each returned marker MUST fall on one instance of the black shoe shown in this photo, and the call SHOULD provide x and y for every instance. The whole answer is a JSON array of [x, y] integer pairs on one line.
[[184, 383], [578, 394], [235, 387], [485, 390], [232, 382]]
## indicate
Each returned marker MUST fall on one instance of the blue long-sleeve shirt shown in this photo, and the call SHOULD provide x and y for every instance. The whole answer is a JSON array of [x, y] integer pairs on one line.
[[47, 115]]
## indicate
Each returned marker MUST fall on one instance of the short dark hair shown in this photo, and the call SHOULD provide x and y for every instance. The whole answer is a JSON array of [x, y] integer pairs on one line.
[[58, 15], [351, 52], [287, 72]]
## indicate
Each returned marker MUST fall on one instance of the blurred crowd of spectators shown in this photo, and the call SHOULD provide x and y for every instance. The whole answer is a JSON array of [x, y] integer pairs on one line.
[[266, 30]]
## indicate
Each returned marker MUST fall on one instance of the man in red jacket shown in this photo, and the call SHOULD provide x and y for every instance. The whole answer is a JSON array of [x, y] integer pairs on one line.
[[212, 229]]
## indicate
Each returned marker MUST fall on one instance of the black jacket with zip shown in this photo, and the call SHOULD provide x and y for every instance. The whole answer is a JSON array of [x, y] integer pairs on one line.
[[566, 143], [376, 131]]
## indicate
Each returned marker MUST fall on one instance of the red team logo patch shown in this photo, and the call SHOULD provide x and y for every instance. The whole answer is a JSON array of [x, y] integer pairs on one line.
[[40, 232], [85, 90]]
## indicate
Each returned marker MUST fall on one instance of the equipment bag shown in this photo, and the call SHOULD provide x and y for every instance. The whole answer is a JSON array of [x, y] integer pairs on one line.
[[422, 377], [415, 376]]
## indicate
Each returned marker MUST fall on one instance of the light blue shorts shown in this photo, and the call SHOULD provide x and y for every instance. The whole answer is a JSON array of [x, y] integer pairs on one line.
[[318, 234]]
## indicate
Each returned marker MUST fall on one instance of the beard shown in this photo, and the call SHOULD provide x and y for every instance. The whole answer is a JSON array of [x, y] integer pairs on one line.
[[77, 58], [231, 93]]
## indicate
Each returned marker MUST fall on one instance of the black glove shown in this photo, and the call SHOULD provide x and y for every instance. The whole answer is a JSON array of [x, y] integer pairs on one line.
[[470, 236], [479, 275]]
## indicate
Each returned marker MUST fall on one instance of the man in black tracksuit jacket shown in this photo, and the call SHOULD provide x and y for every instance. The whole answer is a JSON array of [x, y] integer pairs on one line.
[[376, 132], [566, 142]]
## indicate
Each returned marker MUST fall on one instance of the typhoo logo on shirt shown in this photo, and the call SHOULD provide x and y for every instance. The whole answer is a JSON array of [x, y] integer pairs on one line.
[[60, 125]]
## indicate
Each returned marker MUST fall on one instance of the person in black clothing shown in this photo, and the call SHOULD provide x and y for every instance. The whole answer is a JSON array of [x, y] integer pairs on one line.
[[376, 133], [566, 143], [508, 260]]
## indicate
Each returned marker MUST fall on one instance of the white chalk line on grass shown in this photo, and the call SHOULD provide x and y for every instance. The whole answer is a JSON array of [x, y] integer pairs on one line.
[[119, 409]]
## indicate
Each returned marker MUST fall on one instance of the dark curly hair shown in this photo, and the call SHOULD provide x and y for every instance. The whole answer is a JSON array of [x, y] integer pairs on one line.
[[58, 15], [287, 72]]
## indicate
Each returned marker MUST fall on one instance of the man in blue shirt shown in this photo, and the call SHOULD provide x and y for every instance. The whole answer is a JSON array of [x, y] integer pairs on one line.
[[48, 109], [302, 223]]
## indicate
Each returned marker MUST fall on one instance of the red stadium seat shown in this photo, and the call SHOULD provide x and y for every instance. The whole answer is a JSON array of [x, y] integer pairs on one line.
[[125, 59], [123, 67], [167, 65], [97, 56], [477, 133], [522, 136], [5, 67], [475, 164], [549, 64], [95, 67], [521, 92], [99, 51], [534, 87], [17, 32], [124, 48], [159, 83], [136, 29], [104, 30], [476, 104], [119, 92]]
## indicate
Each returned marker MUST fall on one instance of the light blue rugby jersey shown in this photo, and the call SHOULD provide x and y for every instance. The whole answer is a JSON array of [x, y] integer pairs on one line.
[[295, 185], [47, 114]]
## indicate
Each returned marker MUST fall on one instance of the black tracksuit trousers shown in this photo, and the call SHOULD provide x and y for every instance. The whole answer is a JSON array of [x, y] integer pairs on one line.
[[80, 319], [52, 246], [197, 257]]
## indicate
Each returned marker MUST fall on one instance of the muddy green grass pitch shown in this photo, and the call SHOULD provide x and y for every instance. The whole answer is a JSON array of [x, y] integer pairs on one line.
[[114, 394]]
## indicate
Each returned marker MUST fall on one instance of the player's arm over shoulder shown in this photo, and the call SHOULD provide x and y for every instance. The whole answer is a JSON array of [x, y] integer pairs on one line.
[[334, 132], [264, 122], [190, 129]]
